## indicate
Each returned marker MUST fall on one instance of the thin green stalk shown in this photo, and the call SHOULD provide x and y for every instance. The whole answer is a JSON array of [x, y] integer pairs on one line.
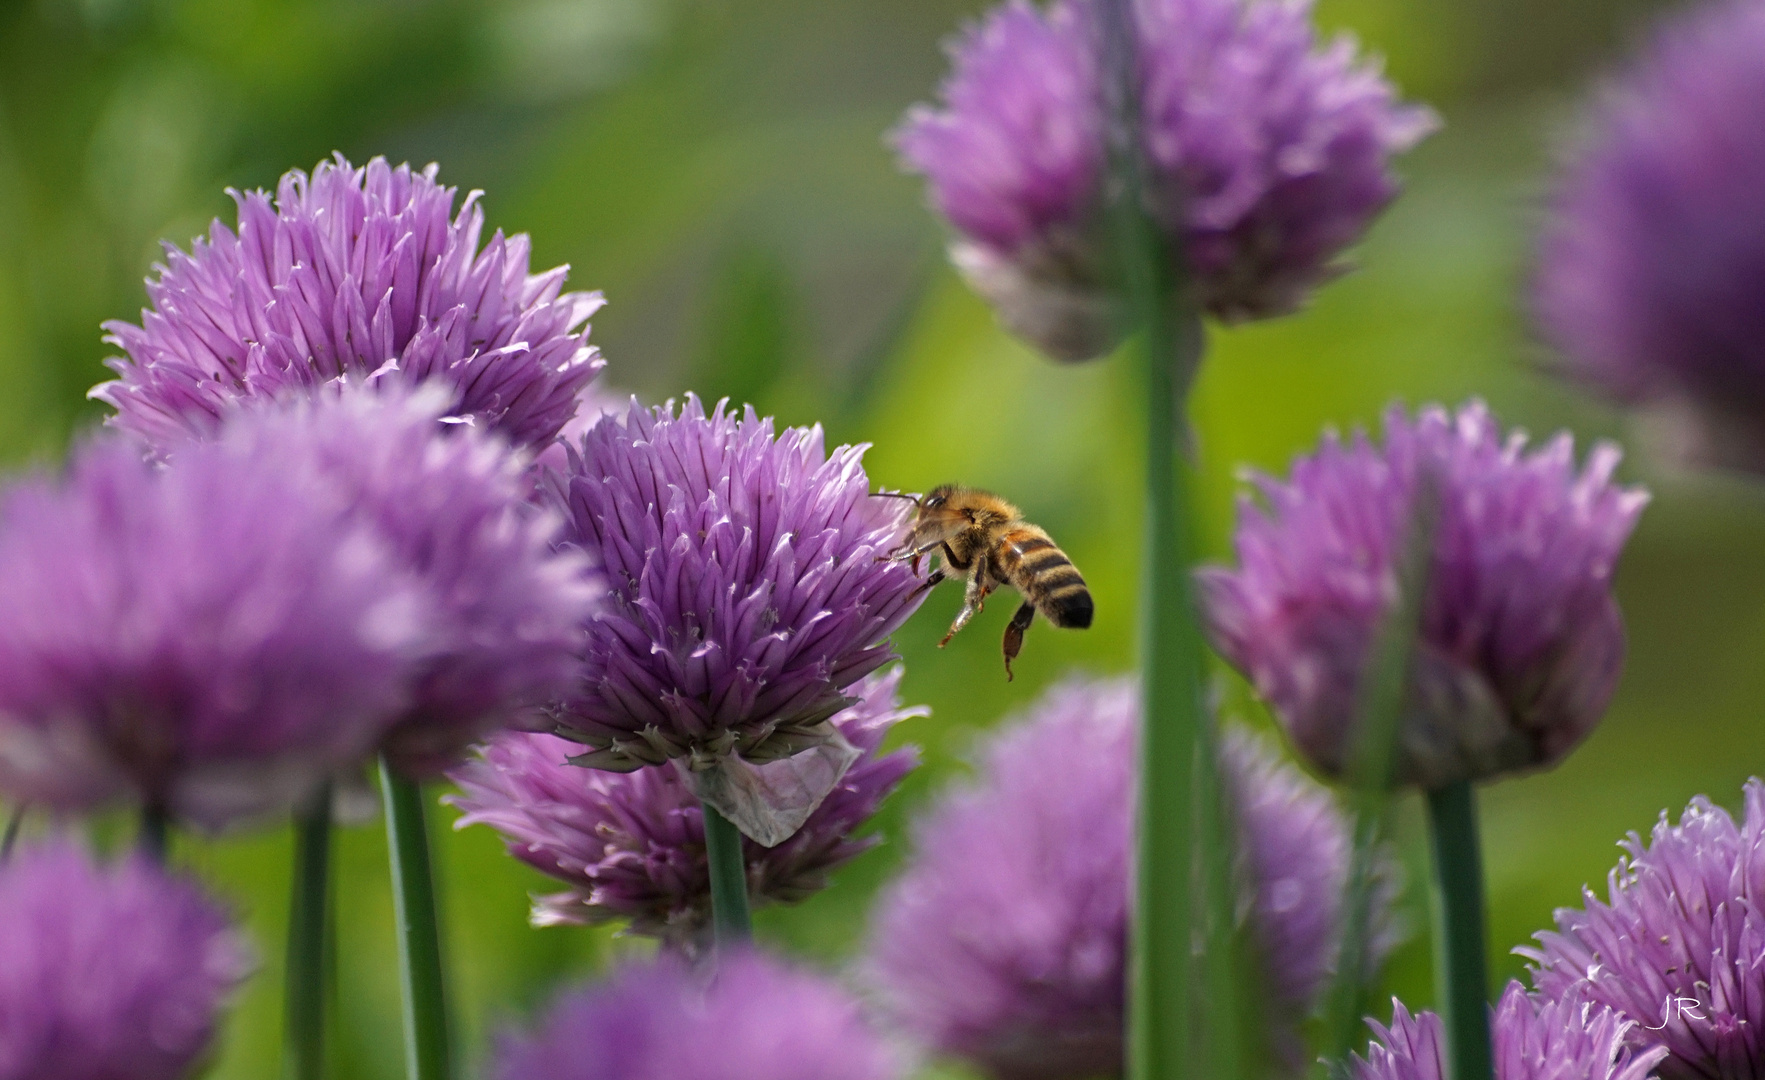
[[13, 825], [153, 839], [1463, 983], [308, 908], [1231, 1032], [1371, 773], [1163, 970], [729, 879], [419, 939]]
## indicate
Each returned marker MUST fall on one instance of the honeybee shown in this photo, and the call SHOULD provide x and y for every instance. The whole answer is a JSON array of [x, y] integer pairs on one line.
[[981, 538]]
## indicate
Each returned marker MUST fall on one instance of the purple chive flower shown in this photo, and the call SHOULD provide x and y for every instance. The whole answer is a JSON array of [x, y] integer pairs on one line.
[[747, 591], [1678, 946], [632, 845], [507, 609], [1270, 157], [1569, 1038], [1652, 266], [211, 638], [1521, 640], [357, 274], [108, 972], [757, 1020], [1003, 940]]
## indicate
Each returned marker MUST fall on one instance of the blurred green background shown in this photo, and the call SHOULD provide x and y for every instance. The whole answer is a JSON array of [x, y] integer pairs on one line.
[[717, 166]]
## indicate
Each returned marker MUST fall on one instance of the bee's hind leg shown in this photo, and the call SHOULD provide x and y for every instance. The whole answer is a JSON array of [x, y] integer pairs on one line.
[[972, 601], [1014, 634]]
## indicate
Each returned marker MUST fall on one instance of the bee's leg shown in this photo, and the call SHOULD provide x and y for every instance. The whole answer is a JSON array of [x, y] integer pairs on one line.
[[972, 601], [908, 552], [955, 563], [932, 580], [1014, 634]]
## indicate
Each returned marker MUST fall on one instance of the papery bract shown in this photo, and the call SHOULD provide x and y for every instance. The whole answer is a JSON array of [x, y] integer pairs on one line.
[[632, 845]]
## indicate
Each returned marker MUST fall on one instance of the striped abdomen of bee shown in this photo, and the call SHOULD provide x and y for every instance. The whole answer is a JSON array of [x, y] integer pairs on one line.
[[1028, 561]]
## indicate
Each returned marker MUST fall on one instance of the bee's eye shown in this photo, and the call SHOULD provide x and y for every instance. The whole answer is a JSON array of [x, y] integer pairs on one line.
[[934, 502]]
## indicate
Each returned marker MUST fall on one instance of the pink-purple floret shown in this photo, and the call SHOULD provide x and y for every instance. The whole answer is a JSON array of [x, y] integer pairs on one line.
[[1652, 264], [632, 845], [1003, 941], [111, 972], [357, 273], [210, 638], [1678, 944], [747, 589], [1566, 1037], [1270, 155], [757, 1019], [507, 606], [1521, 639]]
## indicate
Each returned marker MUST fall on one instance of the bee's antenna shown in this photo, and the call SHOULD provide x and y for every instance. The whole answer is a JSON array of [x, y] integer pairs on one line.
[[895, 495]]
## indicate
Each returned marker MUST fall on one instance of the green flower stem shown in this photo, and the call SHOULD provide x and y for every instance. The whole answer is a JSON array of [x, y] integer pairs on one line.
[[153, 839], [308, 904], [419, 941], [1172, 770], [729, 879], [1463, 983], [13, 825], [1371, 774]]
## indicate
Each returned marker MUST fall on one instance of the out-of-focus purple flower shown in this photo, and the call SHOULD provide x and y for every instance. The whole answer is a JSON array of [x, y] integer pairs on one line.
[[1569, 1038], [747, 591], [1521, 640], [632, 845], [506, 609], [1270, 157], [210, 638], [758, 1020], [1652, 265], [1003, 940], [1679, 945], [108, 972], [356, 274]]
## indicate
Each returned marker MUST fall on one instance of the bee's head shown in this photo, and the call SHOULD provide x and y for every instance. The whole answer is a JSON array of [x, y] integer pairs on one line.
[[937, 497]]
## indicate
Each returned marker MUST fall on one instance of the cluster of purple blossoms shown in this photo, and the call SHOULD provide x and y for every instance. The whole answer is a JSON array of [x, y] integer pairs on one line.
[[210, 639], [1652, 266], [109, 972], [757, 1020], [1521, 640], [506, 608], [1003, 941], [1678, 946], [632, 845], [1565, 1038], [1269, 158], [215, 634], [747, 590], [354, 274]]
